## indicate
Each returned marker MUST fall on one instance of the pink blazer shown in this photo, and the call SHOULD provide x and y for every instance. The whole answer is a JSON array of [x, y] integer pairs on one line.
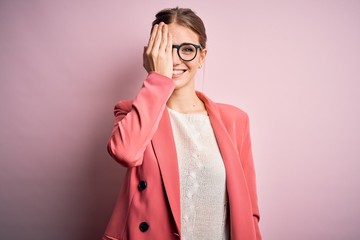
[[148, 206]]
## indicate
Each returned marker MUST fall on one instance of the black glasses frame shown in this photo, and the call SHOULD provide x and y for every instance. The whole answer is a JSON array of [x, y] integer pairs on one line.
[[178, 50]]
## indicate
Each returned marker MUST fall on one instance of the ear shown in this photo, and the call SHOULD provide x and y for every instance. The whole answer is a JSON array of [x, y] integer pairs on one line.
[[202, 56]]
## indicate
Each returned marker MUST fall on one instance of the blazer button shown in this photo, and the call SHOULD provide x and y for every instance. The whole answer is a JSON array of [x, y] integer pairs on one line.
[[144, 226], [142, 185]]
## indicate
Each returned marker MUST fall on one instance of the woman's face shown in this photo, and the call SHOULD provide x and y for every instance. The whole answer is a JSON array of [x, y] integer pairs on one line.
[[184, 72]]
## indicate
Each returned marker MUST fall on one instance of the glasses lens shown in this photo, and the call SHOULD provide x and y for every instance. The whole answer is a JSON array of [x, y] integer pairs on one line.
[[187, 52]]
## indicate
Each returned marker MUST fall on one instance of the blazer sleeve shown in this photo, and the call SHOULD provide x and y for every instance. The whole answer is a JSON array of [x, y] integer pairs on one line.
[[137, 121], [246, 157]]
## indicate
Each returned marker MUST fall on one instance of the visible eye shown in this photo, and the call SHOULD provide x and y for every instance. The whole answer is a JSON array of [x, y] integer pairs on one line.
[[187, 49]]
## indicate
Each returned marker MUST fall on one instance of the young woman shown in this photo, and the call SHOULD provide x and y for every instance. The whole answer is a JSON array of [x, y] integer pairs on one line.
[[190, 172]]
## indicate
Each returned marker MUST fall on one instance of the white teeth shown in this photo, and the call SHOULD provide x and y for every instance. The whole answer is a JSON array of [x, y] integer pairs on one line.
[[178, 72]]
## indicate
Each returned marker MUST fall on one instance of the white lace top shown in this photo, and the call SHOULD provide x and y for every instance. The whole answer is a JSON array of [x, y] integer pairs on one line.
[[202, 178]]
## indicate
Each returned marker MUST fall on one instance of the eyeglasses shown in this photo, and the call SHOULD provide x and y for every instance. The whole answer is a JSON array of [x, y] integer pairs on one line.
[[187, 51]]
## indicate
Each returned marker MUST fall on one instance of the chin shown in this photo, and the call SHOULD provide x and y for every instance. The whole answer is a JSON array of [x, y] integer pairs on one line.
[[182, 82]]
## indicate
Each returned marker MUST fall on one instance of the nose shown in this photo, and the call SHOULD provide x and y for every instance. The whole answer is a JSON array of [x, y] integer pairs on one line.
[[176, 59]]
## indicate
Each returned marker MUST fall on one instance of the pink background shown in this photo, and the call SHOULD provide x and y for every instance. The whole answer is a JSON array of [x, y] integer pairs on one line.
[[294, 66]]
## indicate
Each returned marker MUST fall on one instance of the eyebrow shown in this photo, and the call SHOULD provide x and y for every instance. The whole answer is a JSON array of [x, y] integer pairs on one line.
[[176, 45]]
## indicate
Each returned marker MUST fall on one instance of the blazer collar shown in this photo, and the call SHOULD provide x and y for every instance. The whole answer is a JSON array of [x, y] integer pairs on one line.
[[226, 145]]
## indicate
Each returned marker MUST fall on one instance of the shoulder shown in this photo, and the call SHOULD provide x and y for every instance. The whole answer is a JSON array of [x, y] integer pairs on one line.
[[235, 120], [231, 112], [227, 112]]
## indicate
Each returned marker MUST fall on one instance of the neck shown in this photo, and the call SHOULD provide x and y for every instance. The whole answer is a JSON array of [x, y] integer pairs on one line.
[[186, 102]]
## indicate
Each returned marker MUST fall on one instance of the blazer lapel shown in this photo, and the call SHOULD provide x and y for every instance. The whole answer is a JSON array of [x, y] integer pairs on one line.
[[165, 150], [226, 145]]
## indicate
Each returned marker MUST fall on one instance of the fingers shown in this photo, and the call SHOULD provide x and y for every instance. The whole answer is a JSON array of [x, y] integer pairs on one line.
[[158, 38], [158, 54], [152, 36], [169, 47], [164, 38]]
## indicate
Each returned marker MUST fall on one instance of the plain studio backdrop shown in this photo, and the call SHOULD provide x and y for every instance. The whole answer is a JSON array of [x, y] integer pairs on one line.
[[294, 66]]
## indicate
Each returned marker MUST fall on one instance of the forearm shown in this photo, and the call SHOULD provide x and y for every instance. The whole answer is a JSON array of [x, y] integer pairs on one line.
[[135, 127]]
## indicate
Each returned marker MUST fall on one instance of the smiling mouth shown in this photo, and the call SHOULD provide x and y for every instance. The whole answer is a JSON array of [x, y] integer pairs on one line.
[[177, 72]]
